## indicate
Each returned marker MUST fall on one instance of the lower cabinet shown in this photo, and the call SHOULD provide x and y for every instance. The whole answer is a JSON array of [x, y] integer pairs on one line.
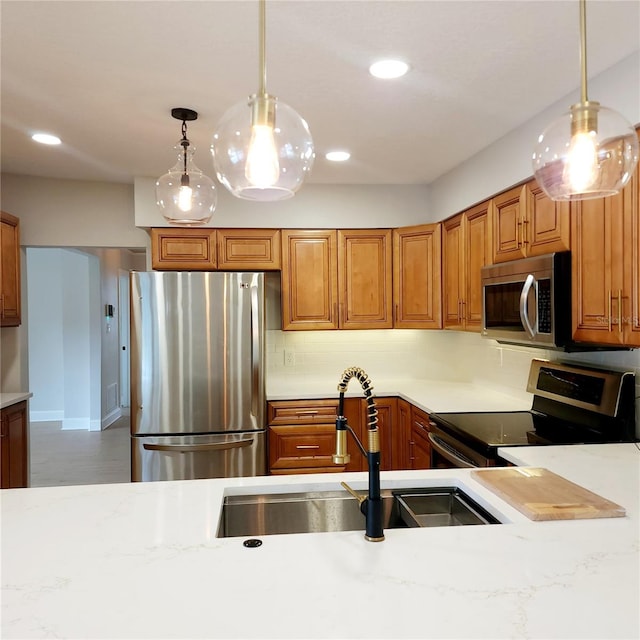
[[419, 445], [14, 447], [302, 436], [390, 443]]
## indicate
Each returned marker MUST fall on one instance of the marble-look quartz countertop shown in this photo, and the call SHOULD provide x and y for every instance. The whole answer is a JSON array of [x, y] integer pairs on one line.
[[7, 399], [143, 561], [433, 396]]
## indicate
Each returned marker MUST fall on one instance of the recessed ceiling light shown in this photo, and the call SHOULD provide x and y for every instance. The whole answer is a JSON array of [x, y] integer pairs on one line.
[[337, 156], [388, 69], [45, 138]]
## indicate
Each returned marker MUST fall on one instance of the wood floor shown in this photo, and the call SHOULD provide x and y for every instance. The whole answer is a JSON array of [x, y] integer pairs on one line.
[[79, 457]]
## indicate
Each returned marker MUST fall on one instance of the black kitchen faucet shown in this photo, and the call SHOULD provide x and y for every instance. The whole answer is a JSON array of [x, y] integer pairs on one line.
[[370, 505]]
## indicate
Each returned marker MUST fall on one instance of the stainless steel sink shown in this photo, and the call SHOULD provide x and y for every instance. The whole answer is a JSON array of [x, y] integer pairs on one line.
[[321, 511]]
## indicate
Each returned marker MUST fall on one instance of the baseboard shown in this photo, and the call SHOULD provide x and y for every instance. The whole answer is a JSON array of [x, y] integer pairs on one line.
[[109, 419], [46, 416], [76, 424]]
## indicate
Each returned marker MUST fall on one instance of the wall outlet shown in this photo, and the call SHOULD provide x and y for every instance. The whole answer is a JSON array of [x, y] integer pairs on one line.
[[289, 358]]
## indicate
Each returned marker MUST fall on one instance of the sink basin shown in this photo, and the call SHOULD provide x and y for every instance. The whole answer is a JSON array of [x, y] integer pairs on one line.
[[322, 511]]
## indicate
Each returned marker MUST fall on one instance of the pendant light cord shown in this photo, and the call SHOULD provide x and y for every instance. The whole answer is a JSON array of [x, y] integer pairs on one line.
[[263, 50], [583, 52], [185, 144]]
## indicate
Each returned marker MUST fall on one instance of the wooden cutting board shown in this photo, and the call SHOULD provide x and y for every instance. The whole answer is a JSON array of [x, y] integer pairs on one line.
[[542, 495]]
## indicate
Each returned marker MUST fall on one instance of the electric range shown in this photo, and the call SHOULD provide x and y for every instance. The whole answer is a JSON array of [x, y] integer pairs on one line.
[[571, 405]]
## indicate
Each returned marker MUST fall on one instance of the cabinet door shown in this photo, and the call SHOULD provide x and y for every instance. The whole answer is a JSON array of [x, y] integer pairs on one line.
[[14, 447], [302, 447], [453, 272], [547, 226], [387, 424], [183, 249], [420, 447], [417, 281], [597, 260], [302, 436], [508, 225], [249, 249], [631, 310], [401, 443], [477, 254], [364, 274], [309, 280], [10, 308]]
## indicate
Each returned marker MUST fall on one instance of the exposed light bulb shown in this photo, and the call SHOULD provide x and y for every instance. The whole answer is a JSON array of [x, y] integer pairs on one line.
[[581, 169], [185, 194], [262, 168]]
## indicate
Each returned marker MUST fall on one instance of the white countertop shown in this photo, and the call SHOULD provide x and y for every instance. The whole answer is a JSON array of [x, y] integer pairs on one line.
[[430, 395], [7, 399], [142, 561]]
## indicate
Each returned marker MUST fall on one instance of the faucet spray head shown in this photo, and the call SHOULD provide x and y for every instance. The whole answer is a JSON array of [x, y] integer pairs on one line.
[[341, 456]]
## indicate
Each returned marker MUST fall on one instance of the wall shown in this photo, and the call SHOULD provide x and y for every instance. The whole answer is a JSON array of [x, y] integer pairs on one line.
[[71, 213], [62, 344], [426, 355], [508, 160], [315, 206]]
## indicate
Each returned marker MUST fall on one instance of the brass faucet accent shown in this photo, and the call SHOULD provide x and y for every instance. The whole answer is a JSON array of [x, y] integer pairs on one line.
[[371, 505]]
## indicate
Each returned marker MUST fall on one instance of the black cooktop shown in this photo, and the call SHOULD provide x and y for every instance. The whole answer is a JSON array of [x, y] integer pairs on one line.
[[514, 428]]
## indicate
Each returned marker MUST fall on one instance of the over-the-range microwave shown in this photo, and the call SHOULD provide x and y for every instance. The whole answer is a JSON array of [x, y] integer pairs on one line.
[[528, 301]]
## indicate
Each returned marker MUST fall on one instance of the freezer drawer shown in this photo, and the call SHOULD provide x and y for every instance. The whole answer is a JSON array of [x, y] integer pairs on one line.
[[192, 457]]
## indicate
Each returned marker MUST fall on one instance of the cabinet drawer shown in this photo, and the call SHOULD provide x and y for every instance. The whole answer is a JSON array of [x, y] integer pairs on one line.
[[249, 249], [305, 446], [183, 249], [294, 412]]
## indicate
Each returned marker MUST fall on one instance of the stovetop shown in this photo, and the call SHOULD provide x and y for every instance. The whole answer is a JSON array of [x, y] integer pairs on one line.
[[490, 430]]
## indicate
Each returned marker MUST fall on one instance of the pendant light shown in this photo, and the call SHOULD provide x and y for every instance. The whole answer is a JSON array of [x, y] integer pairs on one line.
[[185, 195], [262, 149], [591, 151]]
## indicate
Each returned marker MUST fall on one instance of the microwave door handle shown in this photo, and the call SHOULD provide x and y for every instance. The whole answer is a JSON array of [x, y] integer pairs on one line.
[[524, 305]]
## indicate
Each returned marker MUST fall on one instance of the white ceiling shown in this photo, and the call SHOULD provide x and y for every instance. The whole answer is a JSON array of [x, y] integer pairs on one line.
[[104, 76]]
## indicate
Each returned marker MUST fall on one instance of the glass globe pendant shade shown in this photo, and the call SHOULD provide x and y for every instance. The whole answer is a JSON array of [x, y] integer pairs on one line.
[[185, 195], [262, 149], [589, 152]]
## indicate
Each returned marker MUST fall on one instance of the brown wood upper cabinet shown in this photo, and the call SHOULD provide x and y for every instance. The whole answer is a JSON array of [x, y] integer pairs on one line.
[[417, 277], [314, 262], [364, 277], [605, 263], [183, 249], [206, 249], [10, 307], [466, 249], [527, 223], [249, 249], [309, 279]]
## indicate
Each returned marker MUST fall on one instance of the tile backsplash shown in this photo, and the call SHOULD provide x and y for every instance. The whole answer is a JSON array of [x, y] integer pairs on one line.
[[439, 355]]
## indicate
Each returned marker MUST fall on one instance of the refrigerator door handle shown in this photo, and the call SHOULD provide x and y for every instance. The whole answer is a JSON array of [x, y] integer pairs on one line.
[[255, 350], [210, 446]]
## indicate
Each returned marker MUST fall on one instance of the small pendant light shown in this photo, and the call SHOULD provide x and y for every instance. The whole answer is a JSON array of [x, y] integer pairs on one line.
[[262, 149], [185, 195], [589, 152]]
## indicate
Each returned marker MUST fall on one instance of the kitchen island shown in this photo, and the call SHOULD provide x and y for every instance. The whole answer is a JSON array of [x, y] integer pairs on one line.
[[143, 561]]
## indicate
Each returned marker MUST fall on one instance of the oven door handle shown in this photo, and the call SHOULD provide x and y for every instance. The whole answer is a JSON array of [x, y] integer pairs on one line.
[[449, 455], [524, 306]]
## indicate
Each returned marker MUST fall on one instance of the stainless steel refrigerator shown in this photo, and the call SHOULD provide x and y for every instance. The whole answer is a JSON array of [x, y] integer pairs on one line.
[[197, 375]]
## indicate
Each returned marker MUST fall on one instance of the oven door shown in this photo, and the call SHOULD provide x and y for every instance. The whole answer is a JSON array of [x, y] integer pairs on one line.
[[447, 452]]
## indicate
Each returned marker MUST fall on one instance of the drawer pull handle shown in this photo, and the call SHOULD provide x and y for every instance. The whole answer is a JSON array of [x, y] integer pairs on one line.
[[308, 412], [308, 446]]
